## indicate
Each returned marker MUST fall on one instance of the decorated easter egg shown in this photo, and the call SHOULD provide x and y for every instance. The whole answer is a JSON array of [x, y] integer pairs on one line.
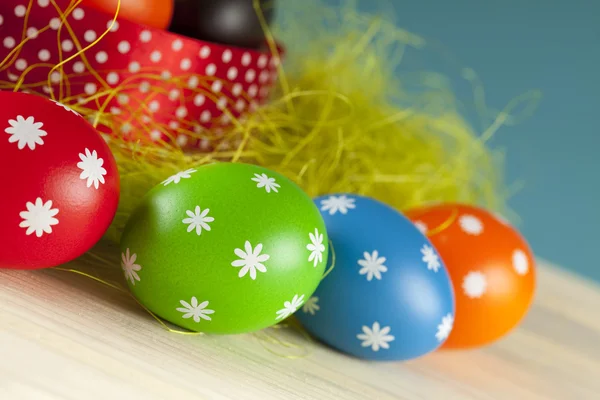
[[153, 13], [60, 183], [224, 248], [491, 266], [388, 296]]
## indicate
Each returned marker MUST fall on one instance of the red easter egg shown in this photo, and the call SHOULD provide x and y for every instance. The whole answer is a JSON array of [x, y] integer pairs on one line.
[[60, 183], [154, 13], [491, 267]]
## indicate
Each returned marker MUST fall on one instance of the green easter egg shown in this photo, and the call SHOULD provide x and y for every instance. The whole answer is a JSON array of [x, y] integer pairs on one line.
[[225, 248]]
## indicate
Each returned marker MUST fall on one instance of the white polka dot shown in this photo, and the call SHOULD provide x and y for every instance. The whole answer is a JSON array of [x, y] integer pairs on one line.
[[124, 47], [421, 226], [44, 55], [20, 64], [520, 262], [145, 87], [156, 135], [246, 59], [193, 82], [154, 106], [55, 77], [126, 128], [78, 14], [211, 69], [20, 10], [67, 45], [216, 86], [112, 27], [182, 140], [198, 129], [166, 75], [199, 100], [226, 57], [221, 103], [78, 67], [101, 57], [240, 105], [262, 61], [185, 64], [47, 89], [90, 88], [115, 110], [174, 94], [174, 125], [155, 56], [205, 116], [474, 284], [146, 36], [122, 99], [264, 77], [177, 45], [9, 42], [1, 20], [112, 78], [32, 32], [275, 62], [146, 119], [252, 90], [250, 75], [55, 23], [181, 112], [225, 119], [90, 36], [204, 144], [134, 67], [204, 52], [236, 89], [232, 73], [471, 225]]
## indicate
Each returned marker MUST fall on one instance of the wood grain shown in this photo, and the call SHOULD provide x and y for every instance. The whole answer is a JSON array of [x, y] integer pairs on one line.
[[63, 336]]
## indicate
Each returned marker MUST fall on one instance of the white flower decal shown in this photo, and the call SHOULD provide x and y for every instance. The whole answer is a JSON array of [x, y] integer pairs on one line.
[[290, 307], [198, 220], [471, 225], [444, 329], [130, 268], [372, 265], [91, 168], [316, 247], [195, 310], [262, 180], [376, 337], [421, 226], [39, 217], [474, 284], [335, 204], [178, 177], [25, 132], [65, 107], [251, 260], [430, 258], [311, 306], [520, 262]]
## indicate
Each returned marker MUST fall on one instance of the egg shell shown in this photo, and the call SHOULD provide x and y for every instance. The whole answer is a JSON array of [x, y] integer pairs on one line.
[[491, 265], [60, 180], [388, 296], [191, 251]]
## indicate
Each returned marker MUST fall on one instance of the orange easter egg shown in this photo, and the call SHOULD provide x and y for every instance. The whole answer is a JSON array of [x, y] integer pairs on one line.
[[152, 13], [491, 266]]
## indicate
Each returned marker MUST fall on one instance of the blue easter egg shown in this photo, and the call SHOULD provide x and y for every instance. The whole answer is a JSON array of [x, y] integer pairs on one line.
[[389, 296]]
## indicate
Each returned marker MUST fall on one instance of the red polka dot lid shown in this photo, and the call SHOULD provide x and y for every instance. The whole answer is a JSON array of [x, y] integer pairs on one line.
[[148, 84]]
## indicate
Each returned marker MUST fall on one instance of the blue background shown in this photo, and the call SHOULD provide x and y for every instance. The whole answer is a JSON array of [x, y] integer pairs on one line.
[[515, 46]]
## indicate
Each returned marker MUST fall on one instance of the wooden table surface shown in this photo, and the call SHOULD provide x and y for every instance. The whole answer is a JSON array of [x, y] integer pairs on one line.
[[63, 336]]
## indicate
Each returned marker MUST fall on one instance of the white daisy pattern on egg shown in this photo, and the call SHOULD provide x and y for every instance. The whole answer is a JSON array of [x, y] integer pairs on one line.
[[372, 265], [198, 220], [520, 262], [195, 310], [376, 337], [445, 327], [250, 260], [421, 226], [264, 181], [311, 306], [67, 108], [430, 258], [335, 204], [471, 225], [39, 217], [26, 132], [91, 168], [187, 174], [290, 307], [474, 284], [130, 268], [316, 247]]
